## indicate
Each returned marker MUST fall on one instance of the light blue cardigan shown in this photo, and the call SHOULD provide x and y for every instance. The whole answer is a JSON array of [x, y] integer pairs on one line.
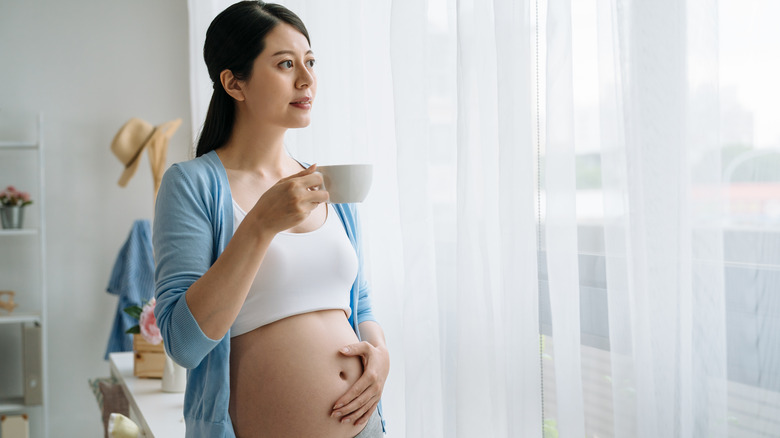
[[193, 223]]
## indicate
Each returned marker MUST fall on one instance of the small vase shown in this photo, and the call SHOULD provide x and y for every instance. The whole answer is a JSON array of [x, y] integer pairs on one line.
[[174, 377], [12, 216]]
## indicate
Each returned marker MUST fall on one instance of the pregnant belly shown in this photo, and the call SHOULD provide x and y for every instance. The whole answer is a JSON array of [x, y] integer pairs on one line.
[[286, 376]]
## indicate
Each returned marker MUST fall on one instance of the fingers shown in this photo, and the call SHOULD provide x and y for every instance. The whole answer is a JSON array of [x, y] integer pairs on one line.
[[307, 171], [358, 349], [307, 177], [360, 417], [367, 415], [355, 410], [318, 197], [303, 187], [310, 180], [351, 395]]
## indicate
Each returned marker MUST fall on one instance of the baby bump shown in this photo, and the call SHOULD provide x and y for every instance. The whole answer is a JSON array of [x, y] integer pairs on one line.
[[286, 376]]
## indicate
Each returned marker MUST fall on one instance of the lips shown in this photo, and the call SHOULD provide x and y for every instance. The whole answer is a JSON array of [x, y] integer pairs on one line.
[[303, 103], [304, 100]]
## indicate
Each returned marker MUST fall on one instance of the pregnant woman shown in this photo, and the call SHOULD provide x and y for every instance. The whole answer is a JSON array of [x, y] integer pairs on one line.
[[260, 286]]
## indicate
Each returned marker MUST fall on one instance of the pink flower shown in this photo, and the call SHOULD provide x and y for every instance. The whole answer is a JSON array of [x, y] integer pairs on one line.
[[10, 197], [148, 323]]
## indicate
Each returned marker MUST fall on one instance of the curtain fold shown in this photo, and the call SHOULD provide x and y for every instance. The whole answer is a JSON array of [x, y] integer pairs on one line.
[[476, 221], [560, 220], [425, 401], [518, 335]]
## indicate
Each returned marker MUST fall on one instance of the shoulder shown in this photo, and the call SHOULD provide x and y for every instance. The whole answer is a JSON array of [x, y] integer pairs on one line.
[[205, 171], [200, 184], [207, 165]]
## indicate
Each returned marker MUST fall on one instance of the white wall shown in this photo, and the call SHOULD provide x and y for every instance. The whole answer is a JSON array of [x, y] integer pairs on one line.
[[89, 66]]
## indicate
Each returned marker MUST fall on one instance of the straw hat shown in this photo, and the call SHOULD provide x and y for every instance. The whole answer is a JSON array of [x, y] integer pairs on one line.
[[133, 137]]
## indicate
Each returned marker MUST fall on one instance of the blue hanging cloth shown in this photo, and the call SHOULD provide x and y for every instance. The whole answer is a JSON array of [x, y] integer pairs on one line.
[[132, 280]]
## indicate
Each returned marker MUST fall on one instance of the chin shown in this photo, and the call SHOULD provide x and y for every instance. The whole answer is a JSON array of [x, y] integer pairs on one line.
[[300, 124]]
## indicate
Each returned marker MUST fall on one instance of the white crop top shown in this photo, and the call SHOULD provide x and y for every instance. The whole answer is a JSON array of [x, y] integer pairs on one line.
[[300, 273]]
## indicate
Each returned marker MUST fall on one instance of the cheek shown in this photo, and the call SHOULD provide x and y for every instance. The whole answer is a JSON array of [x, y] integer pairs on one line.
[[266, 99]]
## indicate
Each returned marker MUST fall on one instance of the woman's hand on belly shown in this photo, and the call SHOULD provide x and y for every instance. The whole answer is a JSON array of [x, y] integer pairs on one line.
[[360, 400]]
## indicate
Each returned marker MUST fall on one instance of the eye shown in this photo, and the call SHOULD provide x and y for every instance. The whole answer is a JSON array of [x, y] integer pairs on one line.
[[286, 64], [310, 63]]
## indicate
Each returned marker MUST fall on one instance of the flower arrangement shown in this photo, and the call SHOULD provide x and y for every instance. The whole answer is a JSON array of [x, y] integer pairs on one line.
[[147, 323], [10, 197]]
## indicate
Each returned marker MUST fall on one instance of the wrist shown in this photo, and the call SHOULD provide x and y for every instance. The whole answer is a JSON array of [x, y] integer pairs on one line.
[[255, 230], [379, 346], [372, 333]]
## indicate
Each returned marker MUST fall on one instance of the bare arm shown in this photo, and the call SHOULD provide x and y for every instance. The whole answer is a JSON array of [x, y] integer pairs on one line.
[[216, 298]]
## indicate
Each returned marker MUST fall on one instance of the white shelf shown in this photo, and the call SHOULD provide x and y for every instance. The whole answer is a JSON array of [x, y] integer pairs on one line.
[[12, 404], [31, 150], [19, 317], [18, 145], [18, 232]]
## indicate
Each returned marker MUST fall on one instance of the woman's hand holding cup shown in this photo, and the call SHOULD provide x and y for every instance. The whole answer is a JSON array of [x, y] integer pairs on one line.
[[290, 201]]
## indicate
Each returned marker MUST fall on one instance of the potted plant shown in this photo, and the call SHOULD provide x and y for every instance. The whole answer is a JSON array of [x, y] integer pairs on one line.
[[149, 354], [12, 203], [150, 359]]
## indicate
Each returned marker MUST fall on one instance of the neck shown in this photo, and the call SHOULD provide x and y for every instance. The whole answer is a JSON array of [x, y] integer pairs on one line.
[[255, 147]]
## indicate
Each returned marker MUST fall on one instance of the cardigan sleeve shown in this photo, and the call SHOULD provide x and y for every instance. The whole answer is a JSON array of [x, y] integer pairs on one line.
[[364, 307], [184, 249]]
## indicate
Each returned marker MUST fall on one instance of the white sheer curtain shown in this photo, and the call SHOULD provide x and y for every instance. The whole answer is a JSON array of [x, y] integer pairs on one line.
[[554, 168], [663, 256], [642, 227], [671, 249]]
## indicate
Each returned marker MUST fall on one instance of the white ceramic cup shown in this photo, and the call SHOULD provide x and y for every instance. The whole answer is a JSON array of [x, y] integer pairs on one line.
[[346, 183]]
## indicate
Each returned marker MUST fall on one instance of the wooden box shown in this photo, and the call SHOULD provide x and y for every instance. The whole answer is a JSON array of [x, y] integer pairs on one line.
[[14, 426], [149, 360]]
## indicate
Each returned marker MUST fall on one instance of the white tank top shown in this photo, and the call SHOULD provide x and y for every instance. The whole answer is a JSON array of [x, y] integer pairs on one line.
[[300, 273]]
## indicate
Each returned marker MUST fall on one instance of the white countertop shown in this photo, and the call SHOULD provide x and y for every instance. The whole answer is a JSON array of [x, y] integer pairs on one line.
[[158, 413]]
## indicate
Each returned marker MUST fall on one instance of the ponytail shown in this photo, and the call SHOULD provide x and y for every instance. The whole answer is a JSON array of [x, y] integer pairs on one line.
[[219, 122]]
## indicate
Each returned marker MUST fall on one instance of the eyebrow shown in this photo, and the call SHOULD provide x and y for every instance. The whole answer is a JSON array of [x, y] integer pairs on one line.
[[290, 52]]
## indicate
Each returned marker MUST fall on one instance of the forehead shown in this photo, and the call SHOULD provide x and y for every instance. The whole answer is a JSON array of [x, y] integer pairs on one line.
[[285, 37]]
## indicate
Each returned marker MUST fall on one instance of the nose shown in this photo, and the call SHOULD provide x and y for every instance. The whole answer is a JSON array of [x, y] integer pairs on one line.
[[305, 77]]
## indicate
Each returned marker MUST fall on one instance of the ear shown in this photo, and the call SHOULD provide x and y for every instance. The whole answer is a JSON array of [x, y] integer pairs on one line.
[[232, 85]]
